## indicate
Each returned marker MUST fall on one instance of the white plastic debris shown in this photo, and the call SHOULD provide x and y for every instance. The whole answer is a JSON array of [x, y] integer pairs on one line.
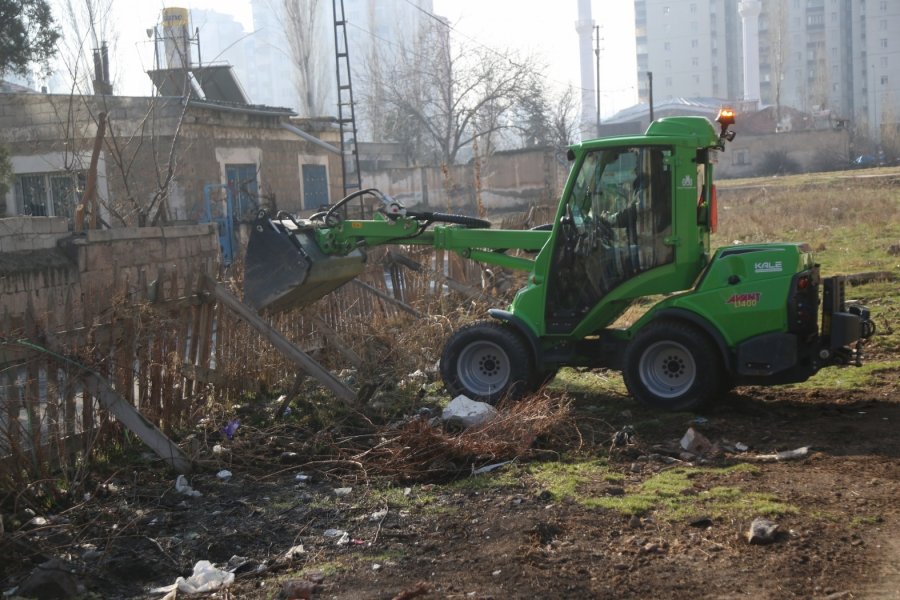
[[741, 447], [489, 468], [218, 449], [793, 454], [466, 412], [295, 551], [206, 578], [343, 491], [183, 487], [343, 536], [378, 515], [224, 474]]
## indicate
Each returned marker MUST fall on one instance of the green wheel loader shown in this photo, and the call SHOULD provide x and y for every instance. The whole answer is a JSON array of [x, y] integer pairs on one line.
[[634, 221]]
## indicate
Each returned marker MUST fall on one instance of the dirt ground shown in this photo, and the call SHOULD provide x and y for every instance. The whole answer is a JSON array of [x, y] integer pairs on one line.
[[504, 534]]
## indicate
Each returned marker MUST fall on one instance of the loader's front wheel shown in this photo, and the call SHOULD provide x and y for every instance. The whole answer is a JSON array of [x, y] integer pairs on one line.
[[486, 361], [672, 366]]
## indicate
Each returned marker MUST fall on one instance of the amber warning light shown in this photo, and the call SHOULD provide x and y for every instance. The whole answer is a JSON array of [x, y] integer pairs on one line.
[[726, 119]]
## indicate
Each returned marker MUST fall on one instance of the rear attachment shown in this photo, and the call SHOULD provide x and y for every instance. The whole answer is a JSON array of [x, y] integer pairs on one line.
[[285, 268]]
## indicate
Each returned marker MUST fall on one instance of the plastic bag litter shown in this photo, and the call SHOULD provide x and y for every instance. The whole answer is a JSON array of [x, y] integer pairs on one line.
[[183, 487], [206, 578]]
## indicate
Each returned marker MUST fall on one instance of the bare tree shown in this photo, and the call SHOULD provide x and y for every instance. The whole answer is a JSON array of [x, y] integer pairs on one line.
[[564, 118], [303, 20], [444, 97]]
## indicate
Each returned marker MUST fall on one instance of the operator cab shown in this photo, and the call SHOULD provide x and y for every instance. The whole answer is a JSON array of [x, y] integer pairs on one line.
[[614, 226]]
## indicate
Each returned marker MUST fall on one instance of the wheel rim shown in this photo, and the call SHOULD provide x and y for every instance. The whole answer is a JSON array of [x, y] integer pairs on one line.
[[667, 369], [483, 368]]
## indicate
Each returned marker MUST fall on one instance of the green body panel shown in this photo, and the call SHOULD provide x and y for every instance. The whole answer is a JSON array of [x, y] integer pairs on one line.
[[744, 293], [690, 238], [684, 138]]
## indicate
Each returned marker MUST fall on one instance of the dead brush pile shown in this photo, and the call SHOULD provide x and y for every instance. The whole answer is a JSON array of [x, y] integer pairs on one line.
[[420, 450], [417, 449]]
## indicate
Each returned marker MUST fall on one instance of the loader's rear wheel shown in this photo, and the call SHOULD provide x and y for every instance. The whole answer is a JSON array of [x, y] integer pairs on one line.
[[486, 361], [673, 366]]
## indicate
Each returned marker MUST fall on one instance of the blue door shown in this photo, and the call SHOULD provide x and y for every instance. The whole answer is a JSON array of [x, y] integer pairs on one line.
[[315, 187], [244, 190]]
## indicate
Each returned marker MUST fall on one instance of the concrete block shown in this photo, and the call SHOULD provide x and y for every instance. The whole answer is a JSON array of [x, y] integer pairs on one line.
[[15, 225]]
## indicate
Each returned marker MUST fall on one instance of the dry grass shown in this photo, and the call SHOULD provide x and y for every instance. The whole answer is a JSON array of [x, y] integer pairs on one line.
[[817, 211]]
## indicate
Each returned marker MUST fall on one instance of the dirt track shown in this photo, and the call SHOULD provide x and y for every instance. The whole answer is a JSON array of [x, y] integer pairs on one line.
[[504, 537]]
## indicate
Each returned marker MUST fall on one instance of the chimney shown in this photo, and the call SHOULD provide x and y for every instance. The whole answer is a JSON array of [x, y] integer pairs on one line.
[[102, 85]]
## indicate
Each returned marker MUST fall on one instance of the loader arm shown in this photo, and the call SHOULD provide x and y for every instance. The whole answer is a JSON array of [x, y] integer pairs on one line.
[[293, 263], [482, 245]]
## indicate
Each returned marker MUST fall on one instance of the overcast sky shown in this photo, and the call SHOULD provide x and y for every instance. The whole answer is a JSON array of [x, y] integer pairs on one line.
[[546, 28]]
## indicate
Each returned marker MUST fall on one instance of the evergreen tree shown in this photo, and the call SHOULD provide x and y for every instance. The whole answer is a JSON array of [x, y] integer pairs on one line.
[[28, 35]]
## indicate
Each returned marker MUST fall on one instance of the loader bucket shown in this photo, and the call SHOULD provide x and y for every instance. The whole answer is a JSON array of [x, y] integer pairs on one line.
[[285, 268]]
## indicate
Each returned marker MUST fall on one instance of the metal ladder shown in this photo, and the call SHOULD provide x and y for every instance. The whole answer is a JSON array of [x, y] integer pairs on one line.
[[346, 116]]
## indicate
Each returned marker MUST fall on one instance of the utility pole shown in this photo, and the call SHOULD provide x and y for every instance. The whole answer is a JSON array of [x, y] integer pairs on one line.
[[597, 53], [650, 83]]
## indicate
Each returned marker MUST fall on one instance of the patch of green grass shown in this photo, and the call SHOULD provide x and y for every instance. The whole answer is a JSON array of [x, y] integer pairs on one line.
[[506, 476], [674, 493], [849, 377], [593, 382], [563, 479], [865, 521]]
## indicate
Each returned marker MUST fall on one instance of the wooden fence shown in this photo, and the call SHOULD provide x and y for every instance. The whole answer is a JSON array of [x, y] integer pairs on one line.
[[174, 353]]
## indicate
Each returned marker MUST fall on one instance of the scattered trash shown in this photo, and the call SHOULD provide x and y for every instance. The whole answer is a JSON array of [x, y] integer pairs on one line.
[[624, 437], [231, 428], [695, 442], [793, 454], [785, 455], [239, 564], [206, 578], [218, 449], [465, 412], [496, 573], [294, 552], [378, 515], [303, 477], [376, 567], [343, 536], [224, 474], [489, 468], [183, 487], [343, 491], [741, 447], [762, 531], [289, 457]]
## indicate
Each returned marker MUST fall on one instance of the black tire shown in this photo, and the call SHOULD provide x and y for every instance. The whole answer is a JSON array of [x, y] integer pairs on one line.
[[487, 361], [671, 365]]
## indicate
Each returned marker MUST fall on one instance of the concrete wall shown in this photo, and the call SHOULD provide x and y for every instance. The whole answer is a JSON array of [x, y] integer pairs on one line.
[[508, 181], [67, 279], [744, 156]]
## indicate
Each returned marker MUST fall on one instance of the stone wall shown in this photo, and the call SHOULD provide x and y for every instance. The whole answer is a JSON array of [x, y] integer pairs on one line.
[[68, 280]]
